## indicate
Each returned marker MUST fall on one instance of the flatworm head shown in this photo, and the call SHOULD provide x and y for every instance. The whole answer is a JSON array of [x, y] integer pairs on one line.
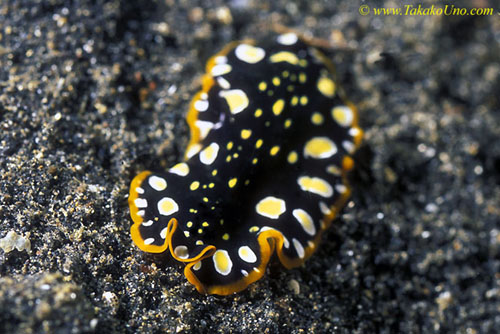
[[271, 143]]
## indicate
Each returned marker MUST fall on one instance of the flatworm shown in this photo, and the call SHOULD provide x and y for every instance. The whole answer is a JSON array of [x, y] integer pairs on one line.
[[265, 170]]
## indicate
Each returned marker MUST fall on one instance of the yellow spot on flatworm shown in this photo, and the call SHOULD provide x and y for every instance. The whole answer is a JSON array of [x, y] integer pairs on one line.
[[258, 113], [214, 172], [284, 56], [247, 255], [285, 74], [292, 157], [232, 182], [205, 199], [278, 106], [195, 185], [222, 262], [274, 150], [193, 149], [271, 207], [189, 224], [254, 229], [254, 160], [332, 169], [249, 53], [259, 143], [229, 145], [225, 236], [211, 185], [205, 224], [157, 183], [320, 148], [262, 86], [317, 118], [181, 169], [167, 206], [199, 242], [236, 99], [326, 86], [200, 231], [246, 133], [302, 77], [288, 123], [315, 185], [343, 115], [221, 69], [209, 154], [294, 100], [303, 100], [197, 265], [305, 220], [276, 81]]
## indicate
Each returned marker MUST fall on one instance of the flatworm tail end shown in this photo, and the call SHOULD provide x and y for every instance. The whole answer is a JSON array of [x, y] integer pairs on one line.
[[266, 241]]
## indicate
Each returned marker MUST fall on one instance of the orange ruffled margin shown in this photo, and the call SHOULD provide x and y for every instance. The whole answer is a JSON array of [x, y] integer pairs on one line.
[[269, 239]]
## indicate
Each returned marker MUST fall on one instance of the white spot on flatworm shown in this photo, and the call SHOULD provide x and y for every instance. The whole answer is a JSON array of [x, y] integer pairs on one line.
[[287, 39]]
